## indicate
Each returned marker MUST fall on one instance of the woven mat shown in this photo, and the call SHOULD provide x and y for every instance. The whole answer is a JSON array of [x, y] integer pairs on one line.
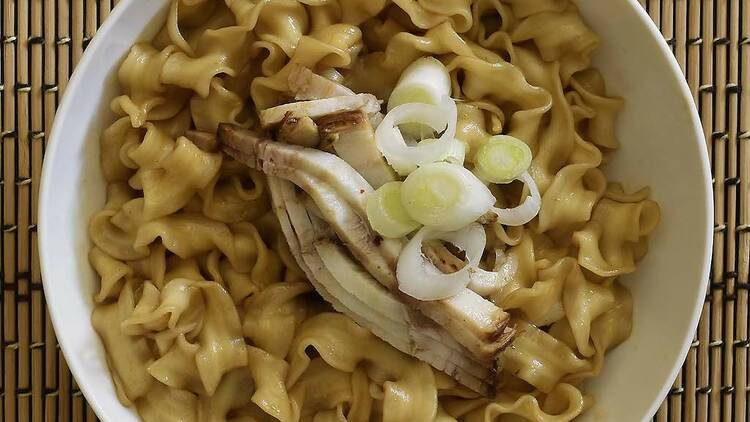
[[42, 41]]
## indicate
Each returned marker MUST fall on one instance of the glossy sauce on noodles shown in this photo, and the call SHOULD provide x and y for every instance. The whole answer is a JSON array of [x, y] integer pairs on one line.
[[204, 313]]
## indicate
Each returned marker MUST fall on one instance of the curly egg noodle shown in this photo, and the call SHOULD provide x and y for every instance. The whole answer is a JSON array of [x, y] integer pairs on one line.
[[202, 310]]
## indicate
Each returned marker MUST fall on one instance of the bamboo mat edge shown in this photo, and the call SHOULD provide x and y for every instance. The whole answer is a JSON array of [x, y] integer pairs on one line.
[[42, 41]]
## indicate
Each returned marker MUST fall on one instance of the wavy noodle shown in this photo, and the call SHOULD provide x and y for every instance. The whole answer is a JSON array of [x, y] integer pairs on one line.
[[112, 274], [521, 263], [178, 307], [600, 127], [165, 404], [114, 137], [570, 198], [219, 51], [219, 106], [608, 243], [272, 316], [144, 96], [268, 373], [584, 301], [322, 387], [408, 385], [202, 308], [427, 14], [177, 177], [222, 346], [563, 403], [541, 303], [235, 194], [113, 240], [176, 368], [231, 395], [127, 356], [540, 359], [559, 36]]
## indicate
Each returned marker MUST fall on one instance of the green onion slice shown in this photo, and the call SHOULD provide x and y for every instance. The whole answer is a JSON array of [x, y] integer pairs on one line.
[[502, 159], [445, 196], [387, 214]]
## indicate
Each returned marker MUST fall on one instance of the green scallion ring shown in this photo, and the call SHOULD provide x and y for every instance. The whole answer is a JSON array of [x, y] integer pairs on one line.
[[502, 159]]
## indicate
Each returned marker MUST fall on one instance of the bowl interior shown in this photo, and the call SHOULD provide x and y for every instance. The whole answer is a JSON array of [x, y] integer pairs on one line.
[[662, 146], [73, 190]]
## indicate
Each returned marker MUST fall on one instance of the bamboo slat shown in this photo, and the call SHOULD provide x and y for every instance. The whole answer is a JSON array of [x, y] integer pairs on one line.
[[43, 40]]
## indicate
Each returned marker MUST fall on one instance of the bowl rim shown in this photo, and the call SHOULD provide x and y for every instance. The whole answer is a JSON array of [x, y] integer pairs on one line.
[[65, 106], [64, 109], [697, 128]]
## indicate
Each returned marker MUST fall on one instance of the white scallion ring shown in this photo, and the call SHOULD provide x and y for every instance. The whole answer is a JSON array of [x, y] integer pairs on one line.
[[527, 210], [405, 158], [418, 277]]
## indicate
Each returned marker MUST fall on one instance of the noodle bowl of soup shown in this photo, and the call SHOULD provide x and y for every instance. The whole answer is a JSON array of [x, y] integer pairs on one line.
[[406, 211]]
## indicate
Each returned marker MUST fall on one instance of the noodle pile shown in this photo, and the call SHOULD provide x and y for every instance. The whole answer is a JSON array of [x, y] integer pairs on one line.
[[203, 313]]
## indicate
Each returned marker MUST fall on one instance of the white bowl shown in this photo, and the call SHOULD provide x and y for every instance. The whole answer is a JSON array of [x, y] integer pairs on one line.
[[662, 146]]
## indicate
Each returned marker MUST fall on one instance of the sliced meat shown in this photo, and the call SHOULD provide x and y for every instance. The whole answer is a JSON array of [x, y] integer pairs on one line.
[[355, 293], [257, 151], [487, 218], [339, 193], [318, 108], [441, 257], [485, 335], [308, 85], [300, 131], [353, 139], [349, 226], [203, 140]]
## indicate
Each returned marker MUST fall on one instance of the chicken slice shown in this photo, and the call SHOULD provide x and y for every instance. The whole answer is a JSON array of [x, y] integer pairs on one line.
[[327, 167], [319, 108], [353, 292], [203, 140], [339, 194], [300, 131], [474, 321], [324, 173], [308, 85], [353, 139], [350, 227], [485, 335]]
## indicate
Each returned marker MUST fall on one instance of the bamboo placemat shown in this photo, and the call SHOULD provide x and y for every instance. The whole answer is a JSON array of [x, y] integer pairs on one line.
[[42, 41]]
